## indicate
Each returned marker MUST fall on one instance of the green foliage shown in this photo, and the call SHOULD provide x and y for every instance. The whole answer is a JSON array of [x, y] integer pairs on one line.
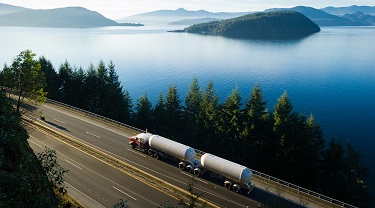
[[26, 78], [261, 25], [121, 204], [142, 117], [54, 172], [271, 142], [22, 180]]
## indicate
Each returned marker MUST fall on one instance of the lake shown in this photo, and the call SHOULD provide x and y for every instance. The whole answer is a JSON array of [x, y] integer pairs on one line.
[[330, 74]]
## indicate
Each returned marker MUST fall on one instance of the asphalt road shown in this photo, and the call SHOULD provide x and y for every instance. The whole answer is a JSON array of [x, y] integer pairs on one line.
[[94, 183], [115, 142]]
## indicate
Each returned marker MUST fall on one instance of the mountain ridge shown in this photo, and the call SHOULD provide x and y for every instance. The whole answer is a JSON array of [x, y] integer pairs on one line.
[[320, 17], [67, 17]]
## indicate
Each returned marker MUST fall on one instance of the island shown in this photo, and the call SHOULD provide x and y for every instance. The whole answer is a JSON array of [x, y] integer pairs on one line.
[[261, 25]]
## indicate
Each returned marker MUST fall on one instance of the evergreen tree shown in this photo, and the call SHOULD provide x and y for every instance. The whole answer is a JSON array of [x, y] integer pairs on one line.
[[126, 109], [229, 125], [91, 90], [174, 114], [343, 175], [143, 113], [258, 140], [159, 116], [191, 112], [77, 82], [65, 89], [207, 118], [285, 126], [52, 79], [103, 89]]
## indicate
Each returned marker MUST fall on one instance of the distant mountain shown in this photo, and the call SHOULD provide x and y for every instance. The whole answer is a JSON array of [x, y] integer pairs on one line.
[[350, 10], [69, 17], [193, 21], [167, 16], [262, 25], [6, 9], [366, 19], [319, 17]]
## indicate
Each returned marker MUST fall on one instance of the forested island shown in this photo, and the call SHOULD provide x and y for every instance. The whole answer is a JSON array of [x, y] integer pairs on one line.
[[282, 143], [261, 25]]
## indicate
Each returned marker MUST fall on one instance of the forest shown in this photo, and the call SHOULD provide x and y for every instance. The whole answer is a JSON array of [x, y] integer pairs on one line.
[[279, 142], [260, 25]]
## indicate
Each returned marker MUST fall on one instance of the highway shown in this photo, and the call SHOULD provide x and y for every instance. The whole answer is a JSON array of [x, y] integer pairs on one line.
[[103, 184], [95, 184]]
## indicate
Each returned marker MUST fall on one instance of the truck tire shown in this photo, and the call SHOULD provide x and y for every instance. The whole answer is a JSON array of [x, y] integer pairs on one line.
[[150, 153], [156, 156]]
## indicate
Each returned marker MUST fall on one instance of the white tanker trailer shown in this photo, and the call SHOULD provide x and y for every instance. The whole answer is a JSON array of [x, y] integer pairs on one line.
[[160, 147], [237, 176]]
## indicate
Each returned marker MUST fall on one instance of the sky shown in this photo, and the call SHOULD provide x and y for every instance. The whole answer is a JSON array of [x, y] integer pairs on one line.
[[116, 9]]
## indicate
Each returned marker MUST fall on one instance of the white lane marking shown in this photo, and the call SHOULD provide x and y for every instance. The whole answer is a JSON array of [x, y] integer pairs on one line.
[[124, 193], [195, 178], [73, 164], [80, 192], [93, 134], [59, 120], [68, 114], [136, 152], [88, 121], [103, 176], [36, 143]]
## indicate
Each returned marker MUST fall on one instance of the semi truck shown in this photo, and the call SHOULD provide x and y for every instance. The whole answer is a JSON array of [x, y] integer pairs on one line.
[[160, 148], [237, 177]]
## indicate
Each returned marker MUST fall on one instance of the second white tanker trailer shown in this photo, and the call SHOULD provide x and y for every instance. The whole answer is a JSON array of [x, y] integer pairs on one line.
[[237, 177]]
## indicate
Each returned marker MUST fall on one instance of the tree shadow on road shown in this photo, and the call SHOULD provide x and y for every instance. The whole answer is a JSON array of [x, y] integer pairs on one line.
[[57, 126]]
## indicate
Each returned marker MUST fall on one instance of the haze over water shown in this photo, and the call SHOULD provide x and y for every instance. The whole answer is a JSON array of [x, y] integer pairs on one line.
[[330, 74]]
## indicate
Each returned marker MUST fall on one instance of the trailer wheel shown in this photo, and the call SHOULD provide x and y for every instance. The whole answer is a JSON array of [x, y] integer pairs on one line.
[[227, 186], [156, 156], [236, 189], [150, 153]]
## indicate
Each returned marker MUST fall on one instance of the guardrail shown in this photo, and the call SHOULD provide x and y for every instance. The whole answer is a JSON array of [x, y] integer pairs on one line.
[[96, 115], [257, 173]]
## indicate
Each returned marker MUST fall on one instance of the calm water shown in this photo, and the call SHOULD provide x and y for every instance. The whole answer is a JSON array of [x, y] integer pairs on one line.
[[330, 74]]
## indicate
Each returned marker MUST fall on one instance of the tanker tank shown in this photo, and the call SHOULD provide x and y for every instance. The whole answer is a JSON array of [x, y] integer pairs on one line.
[[172, 148], [232, 171]]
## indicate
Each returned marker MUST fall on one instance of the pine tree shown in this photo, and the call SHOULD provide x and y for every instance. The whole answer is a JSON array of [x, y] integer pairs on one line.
[[159, 116], [174, 114], [191, 112], [207, 116], [143, 113], [230, 125], [258, 140], [52, 82]]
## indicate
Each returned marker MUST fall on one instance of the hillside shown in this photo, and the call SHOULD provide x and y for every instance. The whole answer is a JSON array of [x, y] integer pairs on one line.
[[320, 17], [167, 16], [6, 9], [23, 181], [350, 10], [365, 19], [262, 25], [69, 17]]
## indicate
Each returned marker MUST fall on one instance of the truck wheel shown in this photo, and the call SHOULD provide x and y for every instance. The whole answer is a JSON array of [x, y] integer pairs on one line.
[[150, 153], [133, 146], [227, 186], [156, 156]]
